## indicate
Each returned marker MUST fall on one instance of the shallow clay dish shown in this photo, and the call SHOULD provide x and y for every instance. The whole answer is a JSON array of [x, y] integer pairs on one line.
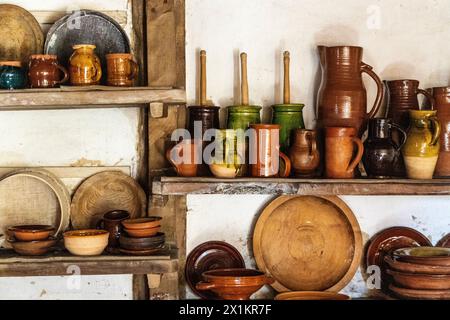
[[146, 252], [420, 281], [142, 223], [420, 294], [406, 267], [424, 255], [31, 232], [33, 248], [88, 242], [142, 233], [444, 242], [308, 243], [390, 239], [233, 284], [311, 295], [209, 256], [130, 243]]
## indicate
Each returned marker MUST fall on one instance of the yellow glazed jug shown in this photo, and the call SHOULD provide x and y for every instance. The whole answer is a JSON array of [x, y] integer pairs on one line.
[[84, 66]]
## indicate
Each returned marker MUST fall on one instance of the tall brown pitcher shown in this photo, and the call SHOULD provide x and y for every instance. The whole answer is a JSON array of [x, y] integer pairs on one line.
[[342, 97]]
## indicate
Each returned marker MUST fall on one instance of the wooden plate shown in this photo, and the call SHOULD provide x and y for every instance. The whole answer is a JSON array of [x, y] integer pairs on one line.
[[103, 192], [444, 242], [391, 239], [22, 35], [308, 243], [33, 196], [420, 294], [209, 256]]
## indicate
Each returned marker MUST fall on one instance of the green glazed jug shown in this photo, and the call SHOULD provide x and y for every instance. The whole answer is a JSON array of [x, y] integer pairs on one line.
[[289, 117], [422, 146]]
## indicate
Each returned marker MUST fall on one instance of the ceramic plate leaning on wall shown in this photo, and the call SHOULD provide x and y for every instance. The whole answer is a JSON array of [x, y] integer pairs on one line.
[[308, 243]]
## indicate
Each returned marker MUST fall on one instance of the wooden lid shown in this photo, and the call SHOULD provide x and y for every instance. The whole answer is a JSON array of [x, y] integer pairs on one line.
[[308, 243]]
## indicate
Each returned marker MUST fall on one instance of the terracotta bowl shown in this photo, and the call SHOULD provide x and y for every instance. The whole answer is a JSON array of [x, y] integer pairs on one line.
[[87, 242], [311, 295], [31, 232], [130, 243], [233, 284], [406, 267], [142, 233], [434, 256], [224, 172], [142, 223], [420, 281], [33, 248]]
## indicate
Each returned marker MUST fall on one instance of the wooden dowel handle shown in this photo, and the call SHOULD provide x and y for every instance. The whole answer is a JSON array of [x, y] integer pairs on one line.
[[244, 80], [287, 78], [203, 78]]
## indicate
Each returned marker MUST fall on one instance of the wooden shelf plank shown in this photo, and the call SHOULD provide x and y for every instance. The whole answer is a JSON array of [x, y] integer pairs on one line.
[[183, 186], [93, 97], [58, 264]]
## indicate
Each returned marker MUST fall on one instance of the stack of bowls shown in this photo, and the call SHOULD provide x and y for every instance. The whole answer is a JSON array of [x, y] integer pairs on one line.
[[420, 273], [32, 240], [143, 236]]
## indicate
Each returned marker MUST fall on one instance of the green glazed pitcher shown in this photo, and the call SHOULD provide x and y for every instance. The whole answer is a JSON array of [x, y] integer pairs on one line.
[[422, 146], [289, 117]]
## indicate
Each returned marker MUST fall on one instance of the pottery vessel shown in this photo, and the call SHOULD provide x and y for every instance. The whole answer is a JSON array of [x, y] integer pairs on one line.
[[265, 154], [121, 69], [421, 150], [31, 232], [131, 243], [143, 233], [207, 117], [311, 295], [44, 71], [112, 222], [340, 143], [442, 106], [186, 157], [84, 66], [413, 268], [12, 75], [233, 284], [142, 223], [289, 117], [304, 153], [342, 97], [403, 98], [229, 153], [382, 156], [434, 256], [413, 294], [33, 248], [420, 281], [241, 117], [87, 242]]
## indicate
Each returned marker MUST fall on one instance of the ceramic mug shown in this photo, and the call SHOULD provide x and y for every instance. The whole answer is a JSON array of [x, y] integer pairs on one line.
[[44, 71], [84, 66], [340, 143], [304, 153], [112, 222], [264, 152], [121, 69], [12, 75], [186, 157]]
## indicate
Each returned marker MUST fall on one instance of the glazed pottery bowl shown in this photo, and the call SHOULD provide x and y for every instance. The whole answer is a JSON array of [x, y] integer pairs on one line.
[[420, 281], [33, 248], [142, 233], [87, 242], [31, 232], [130, 243], [311, 295], [224, 171], [233, 284], [414, 268], [424, 255], [142, 223]]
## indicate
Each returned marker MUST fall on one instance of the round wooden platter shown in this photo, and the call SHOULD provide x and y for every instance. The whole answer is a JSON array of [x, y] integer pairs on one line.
[[308, 243], [33, 196], [22, 35], [104, 192]]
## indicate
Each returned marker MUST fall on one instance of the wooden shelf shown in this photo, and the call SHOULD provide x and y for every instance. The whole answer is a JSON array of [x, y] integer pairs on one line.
[[82, 97], [57, 264], [182, 186]]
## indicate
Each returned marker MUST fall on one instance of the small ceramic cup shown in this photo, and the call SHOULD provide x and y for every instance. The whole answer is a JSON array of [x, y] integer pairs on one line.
[[121, 69], [12, 75]]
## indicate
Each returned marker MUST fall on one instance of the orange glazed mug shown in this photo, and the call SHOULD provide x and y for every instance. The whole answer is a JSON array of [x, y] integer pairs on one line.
[[186, 157], [265, 154], [84, 66], [121, 69], [339, 150]]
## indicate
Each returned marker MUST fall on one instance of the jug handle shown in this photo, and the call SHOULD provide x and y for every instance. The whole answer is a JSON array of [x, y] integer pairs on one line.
[[428, 96], [169, 156], [312, 144], [66, 74], [437, 131], [134, 70], [380, 89], [405, 136], [287, 165], [359, 155]]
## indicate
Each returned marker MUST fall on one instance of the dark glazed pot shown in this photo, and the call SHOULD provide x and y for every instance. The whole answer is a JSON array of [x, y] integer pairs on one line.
[[12, 75], [442, 104], [382, 156], [112, 222], [44, 71], [208, 116]]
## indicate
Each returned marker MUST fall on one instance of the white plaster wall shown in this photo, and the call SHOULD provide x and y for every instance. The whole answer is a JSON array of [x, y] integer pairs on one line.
[[401, 39]]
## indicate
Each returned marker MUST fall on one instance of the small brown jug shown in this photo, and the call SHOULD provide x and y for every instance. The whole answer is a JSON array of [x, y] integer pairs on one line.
[[339, 151], [304, 154], [186, 157], [44, 71]]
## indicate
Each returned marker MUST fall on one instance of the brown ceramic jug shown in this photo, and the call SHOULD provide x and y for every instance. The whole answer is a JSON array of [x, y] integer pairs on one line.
[[342, 97], [186, 157], [402, 98], [304, 153], [121, 69], [442, 104], [112, 222], [340, 143], [44, 71]]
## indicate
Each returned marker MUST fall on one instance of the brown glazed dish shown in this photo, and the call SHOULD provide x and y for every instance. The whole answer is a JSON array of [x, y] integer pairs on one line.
[[44, 71], [340, 143], [342, 97], [406, 267], [304, 153], [420, 294], [442, 104], [444, 242], [420, 281], [33, 248], [143, 233], [234, 284], [142, 223], [435, 256], [311, 295], [130, 243], [31, 232]]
